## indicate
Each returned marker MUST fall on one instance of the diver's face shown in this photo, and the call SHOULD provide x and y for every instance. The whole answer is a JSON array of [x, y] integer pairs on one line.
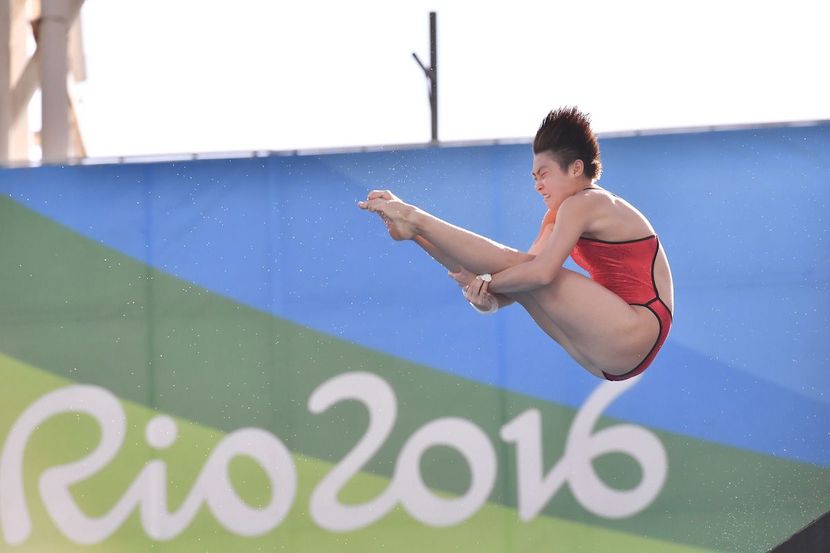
[[551, 182]]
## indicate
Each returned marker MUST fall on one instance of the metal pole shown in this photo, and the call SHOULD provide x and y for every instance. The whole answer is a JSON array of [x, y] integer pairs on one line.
[[431, 74], [433, 62]]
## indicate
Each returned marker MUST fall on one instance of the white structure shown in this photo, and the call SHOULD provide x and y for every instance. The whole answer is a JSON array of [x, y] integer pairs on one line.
[[53, 27]]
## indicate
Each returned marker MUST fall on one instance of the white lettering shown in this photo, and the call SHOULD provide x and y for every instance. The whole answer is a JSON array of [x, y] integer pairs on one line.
[[14, 512], [149, 489], [575, 467], [379, 398], [273, 458], [473, 444], [406, 486]]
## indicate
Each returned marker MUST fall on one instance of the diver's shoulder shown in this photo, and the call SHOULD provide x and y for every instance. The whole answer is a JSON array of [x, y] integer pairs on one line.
[[588, 198]]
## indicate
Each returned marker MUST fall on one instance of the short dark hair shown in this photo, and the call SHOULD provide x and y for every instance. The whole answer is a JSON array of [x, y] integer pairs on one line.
[[566, 133]]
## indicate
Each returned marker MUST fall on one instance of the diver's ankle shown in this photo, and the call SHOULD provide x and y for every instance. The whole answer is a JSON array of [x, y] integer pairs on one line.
[[415, 219]]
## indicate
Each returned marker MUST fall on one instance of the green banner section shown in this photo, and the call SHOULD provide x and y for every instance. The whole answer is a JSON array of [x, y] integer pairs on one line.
[[88, 314], [67, 437]]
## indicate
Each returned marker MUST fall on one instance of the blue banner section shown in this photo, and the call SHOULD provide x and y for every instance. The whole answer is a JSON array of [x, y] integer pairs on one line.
[[742, 216]]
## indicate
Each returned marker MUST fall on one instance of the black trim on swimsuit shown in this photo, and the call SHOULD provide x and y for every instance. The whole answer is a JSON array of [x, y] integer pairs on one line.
[[621, 241], [654, 264], [654, 281], [647, 305], [671, 315]]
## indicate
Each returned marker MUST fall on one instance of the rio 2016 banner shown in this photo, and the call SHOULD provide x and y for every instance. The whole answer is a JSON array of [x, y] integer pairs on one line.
[[221, 354]]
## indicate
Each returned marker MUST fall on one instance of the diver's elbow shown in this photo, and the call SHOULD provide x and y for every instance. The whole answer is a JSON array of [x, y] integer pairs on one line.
[[545, 276]]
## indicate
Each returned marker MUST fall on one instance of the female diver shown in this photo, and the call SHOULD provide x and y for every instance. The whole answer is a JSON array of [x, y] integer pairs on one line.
[[614, 322]]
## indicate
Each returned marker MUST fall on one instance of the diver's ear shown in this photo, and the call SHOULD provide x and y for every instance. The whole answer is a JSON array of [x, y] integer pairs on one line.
[[577, 168]]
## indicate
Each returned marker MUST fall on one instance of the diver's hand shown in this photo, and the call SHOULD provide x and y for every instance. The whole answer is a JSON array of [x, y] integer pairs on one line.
[[476, 290]]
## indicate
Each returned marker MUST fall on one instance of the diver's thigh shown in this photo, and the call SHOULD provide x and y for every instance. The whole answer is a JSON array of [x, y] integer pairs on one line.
[[606, 331]]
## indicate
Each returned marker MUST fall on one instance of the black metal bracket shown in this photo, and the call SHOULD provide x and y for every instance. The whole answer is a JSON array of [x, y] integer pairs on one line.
[[431, 74]]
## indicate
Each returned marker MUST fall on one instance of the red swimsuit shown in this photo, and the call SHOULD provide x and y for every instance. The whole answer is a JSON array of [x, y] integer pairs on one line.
[[627, 269]]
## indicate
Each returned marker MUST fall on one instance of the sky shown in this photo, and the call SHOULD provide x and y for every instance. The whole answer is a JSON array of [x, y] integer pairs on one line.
[[208, 76]]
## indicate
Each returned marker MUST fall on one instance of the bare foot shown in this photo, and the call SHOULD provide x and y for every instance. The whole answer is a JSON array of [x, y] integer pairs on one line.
[[395, 214]]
